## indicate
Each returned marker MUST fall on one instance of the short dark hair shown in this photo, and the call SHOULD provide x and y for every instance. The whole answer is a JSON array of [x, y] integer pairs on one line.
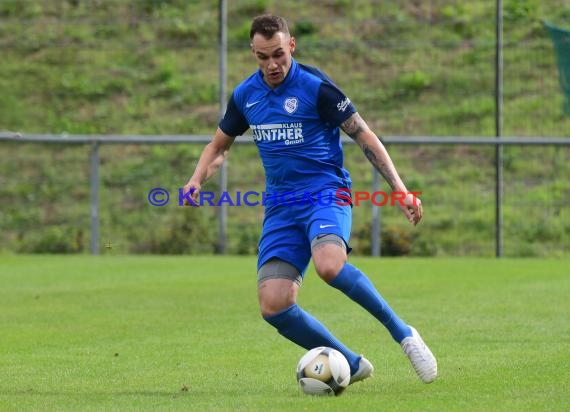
[[267, 25]]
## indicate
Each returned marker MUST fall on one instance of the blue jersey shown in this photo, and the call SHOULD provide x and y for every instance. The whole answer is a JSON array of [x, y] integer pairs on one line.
[[295, 127]]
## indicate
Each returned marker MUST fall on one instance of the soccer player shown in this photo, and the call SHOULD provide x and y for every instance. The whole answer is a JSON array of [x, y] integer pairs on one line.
[[296, 112]]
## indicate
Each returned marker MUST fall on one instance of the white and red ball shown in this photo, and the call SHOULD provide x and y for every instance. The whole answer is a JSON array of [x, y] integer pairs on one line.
[[323, 371]]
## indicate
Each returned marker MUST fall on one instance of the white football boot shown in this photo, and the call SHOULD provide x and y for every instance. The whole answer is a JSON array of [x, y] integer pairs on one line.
[[364, 371], [422, 359]]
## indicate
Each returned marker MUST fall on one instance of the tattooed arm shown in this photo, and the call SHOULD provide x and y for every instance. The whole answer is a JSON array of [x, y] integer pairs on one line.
[[378, 156]]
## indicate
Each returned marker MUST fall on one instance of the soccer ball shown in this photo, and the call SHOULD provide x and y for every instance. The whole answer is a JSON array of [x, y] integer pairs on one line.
[[323, 371]]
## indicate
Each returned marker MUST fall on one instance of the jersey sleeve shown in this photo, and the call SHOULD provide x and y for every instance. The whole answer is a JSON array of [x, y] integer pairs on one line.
[[234, 123], [332, 104]]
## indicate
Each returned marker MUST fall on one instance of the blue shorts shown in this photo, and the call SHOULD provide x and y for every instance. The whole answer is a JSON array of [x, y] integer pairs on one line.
[[288, 230]]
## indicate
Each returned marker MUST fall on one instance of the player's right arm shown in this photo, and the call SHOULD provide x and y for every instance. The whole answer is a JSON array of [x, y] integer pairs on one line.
[[233, 124], [211, 159]]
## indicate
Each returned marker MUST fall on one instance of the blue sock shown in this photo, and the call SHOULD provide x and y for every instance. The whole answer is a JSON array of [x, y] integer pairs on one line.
[[353, 283], [301, 328]]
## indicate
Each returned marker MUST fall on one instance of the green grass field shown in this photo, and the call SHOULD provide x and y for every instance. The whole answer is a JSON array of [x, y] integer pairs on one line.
[[183, 333]]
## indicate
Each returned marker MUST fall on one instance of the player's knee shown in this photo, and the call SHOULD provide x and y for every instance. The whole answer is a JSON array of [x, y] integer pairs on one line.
[[329, 256], [274, 300], [278, 282], [328, 269], [270, 308]]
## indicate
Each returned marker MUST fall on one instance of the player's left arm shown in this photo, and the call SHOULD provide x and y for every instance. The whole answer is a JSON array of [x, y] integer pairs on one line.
[[378, 156]]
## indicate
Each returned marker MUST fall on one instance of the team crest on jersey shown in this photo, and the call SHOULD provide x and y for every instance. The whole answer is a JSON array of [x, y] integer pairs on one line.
[[290, 104]]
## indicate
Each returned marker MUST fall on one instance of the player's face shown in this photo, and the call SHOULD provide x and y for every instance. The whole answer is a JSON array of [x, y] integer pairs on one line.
[[273, 56]]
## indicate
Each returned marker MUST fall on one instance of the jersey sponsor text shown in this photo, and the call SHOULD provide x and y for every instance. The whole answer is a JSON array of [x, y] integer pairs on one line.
[[289, 133]]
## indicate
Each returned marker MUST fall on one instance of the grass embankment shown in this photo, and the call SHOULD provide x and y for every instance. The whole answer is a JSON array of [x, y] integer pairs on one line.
[[150, 67]]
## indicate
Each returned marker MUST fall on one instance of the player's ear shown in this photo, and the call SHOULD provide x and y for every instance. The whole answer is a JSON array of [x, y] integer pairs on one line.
[[292, 44]]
